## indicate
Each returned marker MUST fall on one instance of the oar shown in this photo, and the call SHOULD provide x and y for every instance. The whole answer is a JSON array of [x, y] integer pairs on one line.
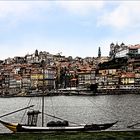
[[132, 125], [16, 111]]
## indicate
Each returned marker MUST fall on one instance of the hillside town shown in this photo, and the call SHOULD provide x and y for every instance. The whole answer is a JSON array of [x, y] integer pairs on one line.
[[41, 70]]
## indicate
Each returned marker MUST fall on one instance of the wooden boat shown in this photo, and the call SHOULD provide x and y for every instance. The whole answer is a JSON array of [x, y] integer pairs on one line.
[[31, 126], [24, 128]]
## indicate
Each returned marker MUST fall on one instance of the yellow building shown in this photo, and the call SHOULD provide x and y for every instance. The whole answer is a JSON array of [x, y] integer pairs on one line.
[[37, 77], [128, 78]]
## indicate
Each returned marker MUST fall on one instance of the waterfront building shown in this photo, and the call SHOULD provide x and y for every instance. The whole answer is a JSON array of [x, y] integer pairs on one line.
[[1, 81], [37, 76], [50, 78], [128, 78], [86, 77], [108, 78], [137, 78], [26, 82]]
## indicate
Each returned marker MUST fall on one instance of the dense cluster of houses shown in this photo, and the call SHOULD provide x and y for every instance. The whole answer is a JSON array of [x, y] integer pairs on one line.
[[119, 70], [123, 69]]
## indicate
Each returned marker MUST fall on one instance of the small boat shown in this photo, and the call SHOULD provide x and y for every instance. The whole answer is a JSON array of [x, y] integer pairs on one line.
[[52, 126]]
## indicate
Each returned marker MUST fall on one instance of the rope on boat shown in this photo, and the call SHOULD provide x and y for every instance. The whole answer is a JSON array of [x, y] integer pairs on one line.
[[25, 110], [52, 107], [53, 116], [129, 126], [105, 111], [62, 119], [16, 111]]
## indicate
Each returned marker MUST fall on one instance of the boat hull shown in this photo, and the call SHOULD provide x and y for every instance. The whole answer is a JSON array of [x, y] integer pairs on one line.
[[23, 128], [10, 126], [92, 127]]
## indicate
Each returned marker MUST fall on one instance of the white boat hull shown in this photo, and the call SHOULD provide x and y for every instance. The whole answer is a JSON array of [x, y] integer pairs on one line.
[[24, 128]]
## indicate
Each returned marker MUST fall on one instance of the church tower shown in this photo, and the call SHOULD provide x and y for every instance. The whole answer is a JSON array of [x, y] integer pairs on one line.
[[99, 52], [36, 53]]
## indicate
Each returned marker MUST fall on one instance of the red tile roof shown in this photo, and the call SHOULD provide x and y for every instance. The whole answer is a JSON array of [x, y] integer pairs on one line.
[[128, 75], [137, 46]]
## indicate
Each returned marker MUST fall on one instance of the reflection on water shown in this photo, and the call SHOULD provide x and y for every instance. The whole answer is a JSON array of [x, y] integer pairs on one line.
[[80, 109]]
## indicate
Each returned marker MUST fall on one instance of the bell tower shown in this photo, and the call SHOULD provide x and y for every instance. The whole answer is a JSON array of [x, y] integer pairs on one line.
[[99, 52]]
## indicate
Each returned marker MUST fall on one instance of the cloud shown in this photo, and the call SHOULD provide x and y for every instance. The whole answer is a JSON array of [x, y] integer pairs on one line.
[[81, 8], [13, 8], [24, 9], [14, 12], [122, 16]]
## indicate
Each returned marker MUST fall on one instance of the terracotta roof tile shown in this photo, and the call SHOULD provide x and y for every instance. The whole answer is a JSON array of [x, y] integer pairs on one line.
[[128, 75], [137, 46]]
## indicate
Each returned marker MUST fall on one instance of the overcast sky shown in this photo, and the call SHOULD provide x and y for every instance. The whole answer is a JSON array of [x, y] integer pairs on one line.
[[75, 28]]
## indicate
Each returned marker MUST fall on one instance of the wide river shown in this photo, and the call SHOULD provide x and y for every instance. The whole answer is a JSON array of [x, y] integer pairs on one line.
[[79, 109]]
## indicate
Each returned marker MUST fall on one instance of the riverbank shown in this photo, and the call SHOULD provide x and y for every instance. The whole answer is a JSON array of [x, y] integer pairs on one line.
[[118, 91], [78, 93], [106, 135]]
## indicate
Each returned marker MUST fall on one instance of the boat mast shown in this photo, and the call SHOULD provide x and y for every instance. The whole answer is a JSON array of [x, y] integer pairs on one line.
[[43, 90]]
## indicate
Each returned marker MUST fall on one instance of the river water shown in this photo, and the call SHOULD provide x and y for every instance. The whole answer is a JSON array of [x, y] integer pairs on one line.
[[79, 109]]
